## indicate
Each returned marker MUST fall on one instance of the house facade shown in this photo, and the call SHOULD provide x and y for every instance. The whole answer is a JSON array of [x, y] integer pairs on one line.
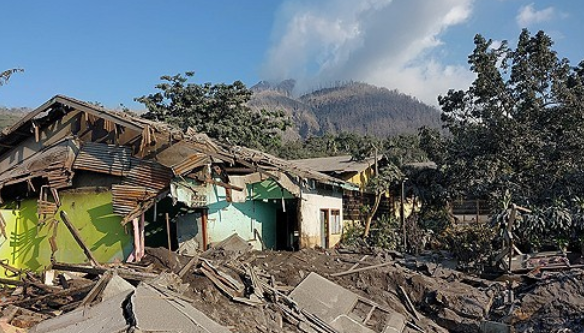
[[359, 173], [79, 183]]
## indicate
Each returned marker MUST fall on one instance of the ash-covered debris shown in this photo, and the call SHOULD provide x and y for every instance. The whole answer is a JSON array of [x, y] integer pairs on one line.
[[306, 291]]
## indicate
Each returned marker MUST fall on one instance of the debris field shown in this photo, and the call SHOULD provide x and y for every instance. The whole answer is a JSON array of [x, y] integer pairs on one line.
[[235, 289]]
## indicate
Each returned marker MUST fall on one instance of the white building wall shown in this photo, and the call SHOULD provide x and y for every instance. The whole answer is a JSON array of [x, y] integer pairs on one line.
[[311, 205]]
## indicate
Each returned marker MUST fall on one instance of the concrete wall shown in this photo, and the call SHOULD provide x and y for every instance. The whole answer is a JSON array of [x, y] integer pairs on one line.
[[90, 212], [311, 203]]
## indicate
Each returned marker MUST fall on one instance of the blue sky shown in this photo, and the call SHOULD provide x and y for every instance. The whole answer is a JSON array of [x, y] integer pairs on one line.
[[113, 51]]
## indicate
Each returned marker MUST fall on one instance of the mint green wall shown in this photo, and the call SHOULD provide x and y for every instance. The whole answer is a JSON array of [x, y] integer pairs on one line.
[[89, 211], [268, 189], [226, 218]]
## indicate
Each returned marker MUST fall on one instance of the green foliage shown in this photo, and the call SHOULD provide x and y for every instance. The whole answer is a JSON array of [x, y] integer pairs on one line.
[[470, 242], [352, 235], [218, 110], [398, 149], [385, 234], [356, 145], [402, 149], [437, 220]]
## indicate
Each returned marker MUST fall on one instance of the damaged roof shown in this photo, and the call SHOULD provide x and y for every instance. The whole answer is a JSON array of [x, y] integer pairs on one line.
[[180, 151], [337, 164]]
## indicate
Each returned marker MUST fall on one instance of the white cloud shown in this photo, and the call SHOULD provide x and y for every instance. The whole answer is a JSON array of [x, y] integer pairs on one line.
[[383, 42], [528, 16]]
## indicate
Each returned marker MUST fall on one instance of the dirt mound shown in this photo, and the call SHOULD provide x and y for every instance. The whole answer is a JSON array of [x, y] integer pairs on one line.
[[424, 290]]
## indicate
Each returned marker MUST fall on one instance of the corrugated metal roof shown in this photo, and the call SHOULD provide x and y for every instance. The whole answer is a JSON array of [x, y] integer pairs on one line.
[[53, 163], [104, 158], [337, 164], [155, 170]]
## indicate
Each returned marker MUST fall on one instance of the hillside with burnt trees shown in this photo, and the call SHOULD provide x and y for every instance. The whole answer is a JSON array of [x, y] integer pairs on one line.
[[346, 107]]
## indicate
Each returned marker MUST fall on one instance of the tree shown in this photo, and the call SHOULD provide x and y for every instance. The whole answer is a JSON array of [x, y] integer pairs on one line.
[[518, 127], [218, 110], [382, 183], [5, 75]]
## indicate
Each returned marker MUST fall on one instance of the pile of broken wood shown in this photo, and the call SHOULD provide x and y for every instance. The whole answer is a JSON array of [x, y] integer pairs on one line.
[[28, 298]]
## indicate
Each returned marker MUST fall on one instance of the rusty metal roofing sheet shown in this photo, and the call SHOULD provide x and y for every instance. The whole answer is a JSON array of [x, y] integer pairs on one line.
[[53, 163], [104, 158], [343, 163], [182, 157], [148, 173], [125, 198]]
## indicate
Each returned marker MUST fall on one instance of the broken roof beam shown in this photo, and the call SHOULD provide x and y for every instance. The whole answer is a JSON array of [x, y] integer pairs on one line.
[[258, 169], [78, 239], [123, 272]]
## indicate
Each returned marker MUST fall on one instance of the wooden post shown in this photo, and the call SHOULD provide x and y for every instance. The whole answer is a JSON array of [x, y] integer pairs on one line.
[[510, 231], [168, 235], [78, 239], [402, 214], [478, 210], [204, 218]]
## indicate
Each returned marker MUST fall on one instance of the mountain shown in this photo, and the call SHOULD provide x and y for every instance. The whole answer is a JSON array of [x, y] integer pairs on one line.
[[349, 107], [9, 116]]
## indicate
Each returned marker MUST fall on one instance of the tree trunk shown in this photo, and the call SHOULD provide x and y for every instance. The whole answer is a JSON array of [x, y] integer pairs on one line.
[[371, 214]]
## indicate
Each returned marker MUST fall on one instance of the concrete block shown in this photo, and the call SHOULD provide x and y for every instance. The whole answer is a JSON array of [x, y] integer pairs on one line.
[[495, 327], [345, 324], [396, 323], [116, 286], [157, 312], [323, 298]]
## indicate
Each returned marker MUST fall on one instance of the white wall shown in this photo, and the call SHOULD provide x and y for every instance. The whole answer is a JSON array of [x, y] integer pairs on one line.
[[310, 207]]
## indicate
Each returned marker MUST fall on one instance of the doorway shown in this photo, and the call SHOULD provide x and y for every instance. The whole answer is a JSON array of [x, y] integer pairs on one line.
[[287, 226], [324, 228]]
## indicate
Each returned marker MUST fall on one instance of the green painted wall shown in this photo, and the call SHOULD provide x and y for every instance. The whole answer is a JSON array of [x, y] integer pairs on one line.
[[242, 218], [90, 212], [268, 189]]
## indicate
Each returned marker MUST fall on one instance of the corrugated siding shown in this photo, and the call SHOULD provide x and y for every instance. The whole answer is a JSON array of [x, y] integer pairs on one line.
[[149, 174], [104, 158], [126, 197]]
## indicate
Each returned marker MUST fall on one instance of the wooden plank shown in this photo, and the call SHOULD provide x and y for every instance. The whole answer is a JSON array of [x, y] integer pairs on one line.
[[98, 288], [188, 266], [358, 262], [408, 302], [122, 272], [11, 282], [361, 269], [62, 293], [78, 239]]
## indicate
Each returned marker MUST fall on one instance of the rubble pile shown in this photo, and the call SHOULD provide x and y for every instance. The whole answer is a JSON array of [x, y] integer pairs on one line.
[[312, 290]]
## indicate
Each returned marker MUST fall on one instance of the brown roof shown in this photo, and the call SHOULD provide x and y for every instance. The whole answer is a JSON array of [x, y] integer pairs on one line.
[[181, 159], [338, 164]]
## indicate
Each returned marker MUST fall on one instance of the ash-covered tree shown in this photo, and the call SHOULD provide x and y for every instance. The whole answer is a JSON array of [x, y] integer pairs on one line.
[[388, 178], [218, 110], [518, 127]]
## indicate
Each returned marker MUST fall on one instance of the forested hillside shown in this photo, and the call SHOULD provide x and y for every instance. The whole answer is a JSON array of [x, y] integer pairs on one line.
[[349, 107], [9, 116]]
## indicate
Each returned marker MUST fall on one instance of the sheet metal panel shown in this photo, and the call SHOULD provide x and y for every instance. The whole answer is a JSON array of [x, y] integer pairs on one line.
[[104, 158]]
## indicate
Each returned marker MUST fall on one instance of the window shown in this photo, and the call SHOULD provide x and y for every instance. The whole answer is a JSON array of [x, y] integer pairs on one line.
[[336, 226]]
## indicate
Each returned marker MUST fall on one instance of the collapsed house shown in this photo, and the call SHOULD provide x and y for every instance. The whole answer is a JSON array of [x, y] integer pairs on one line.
[[117, 181]]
